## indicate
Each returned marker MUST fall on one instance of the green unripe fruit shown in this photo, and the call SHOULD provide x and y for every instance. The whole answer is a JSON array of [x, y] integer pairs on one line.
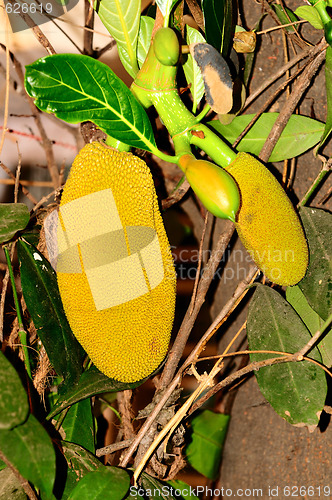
[[215, 188], [166, 47]]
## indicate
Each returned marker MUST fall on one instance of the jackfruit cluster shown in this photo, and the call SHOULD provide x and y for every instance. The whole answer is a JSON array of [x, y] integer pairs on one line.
[[267, 223], [115, 270]]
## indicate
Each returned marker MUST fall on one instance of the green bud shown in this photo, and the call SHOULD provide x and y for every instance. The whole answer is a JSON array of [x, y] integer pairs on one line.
[[166, 47], [215, 188]]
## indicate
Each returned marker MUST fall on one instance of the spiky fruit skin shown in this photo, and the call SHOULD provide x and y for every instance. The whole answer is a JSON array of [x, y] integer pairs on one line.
[[115, 269], [268, 224]]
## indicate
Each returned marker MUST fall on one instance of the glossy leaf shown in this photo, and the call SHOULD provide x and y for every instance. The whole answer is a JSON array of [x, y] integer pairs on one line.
[[300, 134], [14, 407], [328, 85], [310, 14], [121, 19], [317, 283], [166, 6], [79, 463], [286, 16], [312, 321], [106, 482], [29, 449], [78, 425], [13, 217], [218, 24], [78, 88], [208, 435], [191, 70], [182, 490], [41, 294], [90, 383], [296, 391], [143, 44], [155, 489]]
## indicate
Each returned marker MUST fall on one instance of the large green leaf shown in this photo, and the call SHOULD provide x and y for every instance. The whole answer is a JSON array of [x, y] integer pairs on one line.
[[122, 19], [208, 435], [310, 14], [78, 88], [183, 490], [328, 84], [143, 44], [106, 482], [13, 217], [78, 425], [317, 283], [296, 390], [41, 294], [90, 383], [218, 21], [14, 407], [311, 320], [154, 489], [191, 70], [300, 134], [29, 449], [79, 463]]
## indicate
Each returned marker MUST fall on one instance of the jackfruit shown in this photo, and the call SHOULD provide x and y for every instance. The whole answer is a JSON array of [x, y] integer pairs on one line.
[[115, 270], [215, 188], [267, 223]]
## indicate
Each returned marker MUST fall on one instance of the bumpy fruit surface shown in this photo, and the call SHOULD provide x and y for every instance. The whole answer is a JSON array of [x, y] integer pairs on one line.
[[115, 270], [166, 47], [267, 223], [214, 187]]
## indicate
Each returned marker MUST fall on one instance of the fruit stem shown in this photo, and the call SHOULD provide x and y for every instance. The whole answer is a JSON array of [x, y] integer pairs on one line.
[[155, 85]]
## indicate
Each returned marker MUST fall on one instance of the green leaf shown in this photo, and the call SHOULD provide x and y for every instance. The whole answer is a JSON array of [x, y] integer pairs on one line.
[[310, 14], [13, 217], [317, 283], [90, 383], [29, 449], [10, 487], [166, 7], [41, 294], [328, 84], [218, 21], [106, 482], [300, 134], [311, 320], [296, 391], [79, 463], [78, 425], [143, 44], [191, 70], [286, 16], [78, 88], [121, 19], [182, 489], [14, 406], [208, 435], [155, 489]]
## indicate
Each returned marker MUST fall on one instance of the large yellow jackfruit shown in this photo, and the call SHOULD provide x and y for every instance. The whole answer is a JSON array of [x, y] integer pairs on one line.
[[267, 223], [115, 270]]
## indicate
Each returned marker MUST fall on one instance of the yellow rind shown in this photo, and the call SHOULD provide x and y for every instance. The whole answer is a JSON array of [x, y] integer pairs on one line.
[[126, 342], [267, 223]]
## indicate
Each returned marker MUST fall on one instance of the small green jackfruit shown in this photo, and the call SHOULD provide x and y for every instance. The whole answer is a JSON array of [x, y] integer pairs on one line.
[[115, 270], [215, 188], [267, 223]]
